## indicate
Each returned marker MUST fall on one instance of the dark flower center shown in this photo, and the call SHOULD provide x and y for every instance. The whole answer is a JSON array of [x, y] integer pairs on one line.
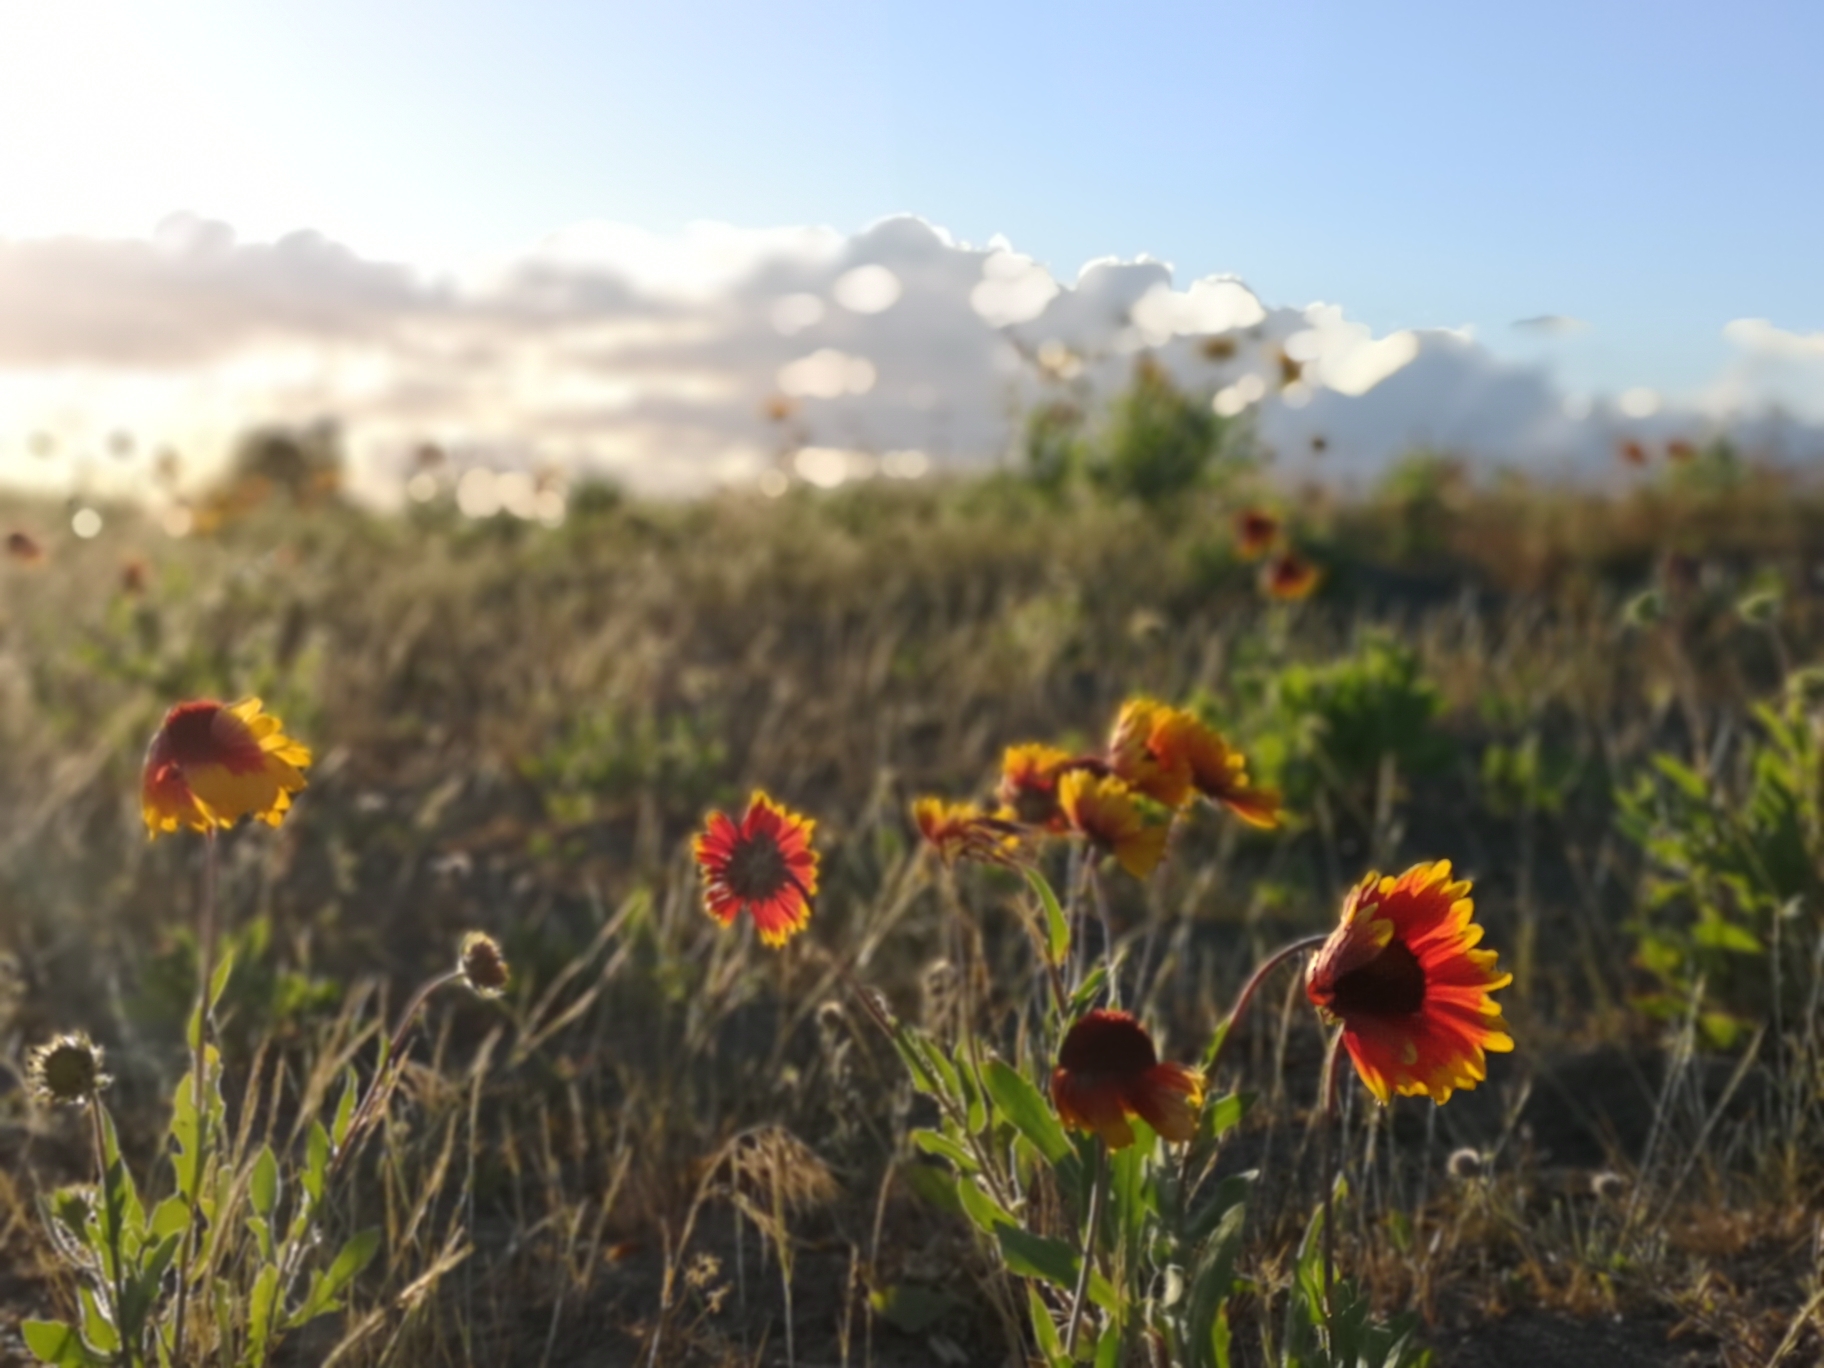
[[757, 869], [1390, 984], [1108, 1043]]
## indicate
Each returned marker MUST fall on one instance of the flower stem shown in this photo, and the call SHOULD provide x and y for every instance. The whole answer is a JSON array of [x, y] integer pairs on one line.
[[388, 1077], [1098, 1198], [104, 1187], [1329, 1160], [199, 1070], [1248, 989]]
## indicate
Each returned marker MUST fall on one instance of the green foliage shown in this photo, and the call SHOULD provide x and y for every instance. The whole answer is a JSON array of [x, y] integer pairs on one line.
[[1338, 1329], [1160, 442], [1336, 728], [606, 758], [1164, 1254], [1420, 491], [1054, 444], [1731, 861], [238, 1235]]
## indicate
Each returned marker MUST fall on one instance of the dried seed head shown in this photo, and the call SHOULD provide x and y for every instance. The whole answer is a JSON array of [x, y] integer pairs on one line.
[[66, 1069], [1464, 1164], [482, 965], [1608, 1185]]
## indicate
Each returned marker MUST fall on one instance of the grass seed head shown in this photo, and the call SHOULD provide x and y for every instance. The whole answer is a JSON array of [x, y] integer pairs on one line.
[[1464, 1164]]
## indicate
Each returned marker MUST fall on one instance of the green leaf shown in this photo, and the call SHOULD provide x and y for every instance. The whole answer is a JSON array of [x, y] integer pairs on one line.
[[986, 1213], [1132, 1197], [1220, 1340], [1057, 928], [1108, 1348], [1044, 1329], [1020, 1103], [143, 1289], [1206, 1316], [1040, 1256], [1224, 1114], [169, 1217], [1230, 1193], [1089, 992], [345, 1107], [933, 1184], [218, 981], [55, 1342], [316, 1162], [263, 1184], [910, 1307], [97, 1330], [326, 1287], [944, 1147], [261, 1303]]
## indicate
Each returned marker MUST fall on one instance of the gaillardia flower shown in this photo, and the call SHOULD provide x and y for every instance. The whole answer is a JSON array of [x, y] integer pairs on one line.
[[1029, 784], [1414, 996], [1108, 1071], [1290, 576], [1218, 771], [962, 831], [211, 764], [1142, 753], [1104, 809], [1255, 533], [764, 864]]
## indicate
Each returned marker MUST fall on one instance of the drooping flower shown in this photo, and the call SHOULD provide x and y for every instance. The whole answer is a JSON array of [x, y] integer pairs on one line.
[[211, 764], [1632, 451], [1105, 810], [1217, 770], [1255, 532], [962, 831], [764, 864], [66, 1070], [1108, 1071], [1141, 753], [1290, 577], [1414, 997], [1029, 784]]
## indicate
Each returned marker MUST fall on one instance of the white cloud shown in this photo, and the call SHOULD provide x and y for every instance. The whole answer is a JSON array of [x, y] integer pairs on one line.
[[677, 361]]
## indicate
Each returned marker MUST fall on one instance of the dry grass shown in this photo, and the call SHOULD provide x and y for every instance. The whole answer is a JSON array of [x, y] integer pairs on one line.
[[667, 1146]]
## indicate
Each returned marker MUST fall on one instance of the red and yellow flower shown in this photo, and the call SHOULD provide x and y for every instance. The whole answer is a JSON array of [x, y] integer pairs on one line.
[[1290, 577], [1107, 812], [962, 831], [211, 764], [1109, 1071], [1415, 998], [1255, 533], [764, 863], [1029, 784], [1142, 752], [1218, 771]]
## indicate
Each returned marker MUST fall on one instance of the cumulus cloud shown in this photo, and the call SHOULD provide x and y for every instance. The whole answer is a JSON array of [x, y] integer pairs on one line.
[[723, 354]]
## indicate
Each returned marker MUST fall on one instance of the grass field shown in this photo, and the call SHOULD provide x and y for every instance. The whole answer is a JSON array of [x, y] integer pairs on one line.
[[669, 1144]]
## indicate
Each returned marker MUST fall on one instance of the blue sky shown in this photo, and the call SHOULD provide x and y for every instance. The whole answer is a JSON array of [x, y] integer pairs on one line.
[[1655, 170]]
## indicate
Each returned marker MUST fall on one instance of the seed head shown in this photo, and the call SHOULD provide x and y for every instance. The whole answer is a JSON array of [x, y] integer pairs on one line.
[[66, 1069], [1608, 1185], [482, 965], [1464, 1164]]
